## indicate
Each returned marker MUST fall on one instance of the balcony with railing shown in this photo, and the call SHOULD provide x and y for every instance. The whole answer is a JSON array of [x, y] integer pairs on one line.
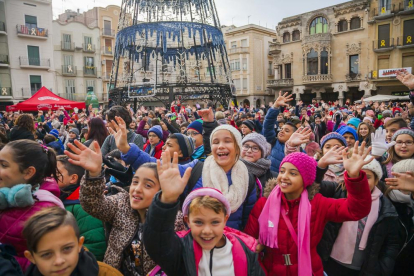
[[34, 63], [4, 61], [88, 48], [317, 79], [274, 49], [27, 92], [108, 32], [2, 28], [69, 70], [5, 92], [89, 71], [383, 45], [406, 41], [107, 50], [238, 50], [407, 7], [67, 46], [32, 32]]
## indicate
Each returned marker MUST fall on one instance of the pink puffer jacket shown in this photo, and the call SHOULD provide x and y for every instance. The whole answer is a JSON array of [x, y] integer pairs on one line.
[[12, 222]]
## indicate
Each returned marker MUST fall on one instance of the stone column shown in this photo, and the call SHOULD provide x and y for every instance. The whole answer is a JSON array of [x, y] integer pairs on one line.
[[318, 92], [298, 90], [340, 88], [366, 87]]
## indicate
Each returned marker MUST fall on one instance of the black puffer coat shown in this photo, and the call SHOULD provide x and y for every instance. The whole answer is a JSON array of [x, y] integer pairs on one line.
[[384, 241]]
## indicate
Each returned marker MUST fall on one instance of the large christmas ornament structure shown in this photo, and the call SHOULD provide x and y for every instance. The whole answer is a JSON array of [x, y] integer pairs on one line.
[[169, 50]]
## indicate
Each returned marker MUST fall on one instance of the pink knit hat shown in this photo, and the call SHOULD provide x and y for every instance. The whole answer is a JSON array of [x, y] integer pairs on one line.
[[305, 164], [211, 192]]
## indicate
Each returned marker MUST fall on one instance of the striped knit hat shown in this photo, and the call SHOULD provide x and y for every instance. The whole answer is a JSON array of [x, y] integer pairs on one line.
[[186, 143]]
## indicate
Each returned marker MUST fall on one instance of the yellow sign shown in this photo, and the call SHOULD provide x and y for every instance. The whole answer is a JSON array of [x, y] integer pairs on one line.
[[382, 43], [89, 47], [410, 4], [383, 10], [409, 39], [374, 74], [110, 49]]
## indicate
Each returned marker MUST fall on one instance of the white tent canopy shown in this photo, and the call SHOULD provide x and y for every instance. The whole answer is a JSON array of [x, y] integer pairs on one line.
[[384, 98]]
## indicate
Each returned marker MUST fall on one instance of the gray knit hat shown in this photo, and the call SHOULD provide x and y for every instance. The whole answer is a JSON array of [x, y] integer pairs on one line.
[[403, 166], [404, 130], [260, 140]]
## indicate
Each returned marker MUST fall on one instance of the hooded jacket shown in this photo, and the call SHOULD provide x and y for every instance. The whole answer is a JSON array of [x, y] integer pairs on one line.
[[278, 149], [179, 255], [12, 221], [355, 207]]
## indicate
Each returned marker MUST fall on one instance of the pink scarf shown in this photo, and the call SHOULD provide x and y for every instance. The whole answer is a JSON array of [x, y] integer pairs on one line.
[[269, 222], [344, 246]]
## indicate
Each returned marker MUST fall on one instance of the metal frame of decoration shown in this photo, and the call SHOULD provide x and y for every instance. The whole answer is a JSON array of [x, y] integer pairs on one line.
[[168, 50]]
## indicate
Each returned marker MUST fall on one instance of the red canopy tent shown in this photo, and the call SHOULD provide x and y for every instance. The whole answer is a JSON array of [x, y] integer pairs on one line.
[[44, 99]]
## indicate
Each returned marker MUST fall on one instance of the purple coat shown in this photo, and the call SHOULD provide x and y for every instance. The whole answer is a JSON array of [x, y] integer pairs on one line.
[[12, 221]]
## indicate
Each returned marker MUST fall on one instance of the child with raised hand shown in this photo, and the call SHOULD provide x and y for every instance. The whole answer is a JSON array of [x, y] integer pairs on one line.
[[28, 176], [209, 248], [290, 222], [126, 212], [55, 247]]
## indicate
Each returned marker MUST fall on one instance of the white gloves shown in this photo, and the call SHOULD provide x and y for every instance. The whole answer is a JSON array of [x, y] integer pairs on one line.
[[378, 143]]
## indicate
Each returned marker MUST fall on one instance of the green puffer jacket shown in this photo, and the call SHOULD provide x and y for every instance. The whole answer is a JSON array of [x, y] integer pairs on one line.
[[91, 228]]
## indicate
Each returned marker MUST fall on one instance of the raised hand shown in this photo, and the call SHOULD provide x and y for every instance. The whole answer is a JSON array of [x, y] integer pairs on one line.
[[120, 134], [406, 78], [90, 160], [207, 114], [171, 182], [333, 156], [299, 137], [354, 164], [379, 144], [402, 181], [282, 100]]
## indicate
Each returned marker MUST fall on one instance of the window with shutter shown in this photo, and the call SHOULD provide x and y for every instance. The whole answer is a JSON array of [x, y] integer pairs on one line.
[[408, 38], [35, 83], [30, 21], [312, 60], [324, 62], [408, 61], [342, 25], [383, 63], [384, 36], [33, 55], [355, 23]]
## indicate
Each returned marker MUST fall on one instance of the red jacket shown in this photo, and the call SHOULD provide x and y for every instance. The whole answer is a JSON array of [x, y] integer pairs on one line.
[[12, 221], [157, 150], [355, 207]]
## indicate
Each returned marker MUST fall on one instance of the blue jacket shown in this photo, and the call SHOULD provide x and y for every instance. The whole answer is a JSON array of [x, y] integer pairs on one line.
[[278, 150], [237, 220]]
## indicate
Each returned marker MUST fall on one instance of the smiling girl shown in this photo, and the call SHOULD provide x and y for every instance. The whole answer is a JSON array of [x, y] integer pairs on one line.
[[402, 149], [126, 212], [364, 133], [289, 223], [25, 166]]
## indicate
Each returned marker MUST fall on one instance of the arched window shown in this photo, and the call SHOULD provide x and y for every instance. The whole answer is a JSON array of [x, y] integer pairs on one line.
[[324, 62], [295, 35], [286, 37], [342, 25], [312, 60], [355, 23], [319, 25]]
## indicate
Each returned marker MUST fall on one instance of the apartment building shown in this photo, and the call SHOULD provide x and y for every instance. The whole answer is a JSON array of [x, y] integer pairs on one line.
[[28, 24], [250, 62], [106, 19], [6, 95], [391, 34], [77, 59]]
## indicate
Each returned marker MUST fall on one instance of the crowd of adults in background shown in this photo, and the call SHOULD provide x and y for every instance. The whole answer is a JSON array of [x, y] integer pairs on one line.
[[318, 188]]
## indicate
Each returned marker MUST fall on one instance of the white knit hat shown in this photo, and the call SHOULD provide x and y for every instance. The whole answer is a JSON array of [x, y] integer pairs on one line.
[[230, 128], [403, 166], [373, 166]]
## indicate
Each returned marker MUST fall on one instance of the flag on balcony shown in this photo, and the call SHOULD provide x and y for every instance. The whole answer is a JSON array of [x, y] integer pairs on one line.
[[24, 29]]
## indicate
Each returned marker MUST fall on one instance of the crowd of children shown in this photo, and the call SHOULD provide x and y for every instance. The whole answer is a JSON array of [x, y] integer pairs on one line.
[[318, 189]]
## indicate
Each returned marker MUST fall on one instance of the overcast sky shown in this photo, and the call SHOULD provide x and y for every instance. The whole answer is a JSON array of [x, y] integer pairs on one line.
[[264, 12]]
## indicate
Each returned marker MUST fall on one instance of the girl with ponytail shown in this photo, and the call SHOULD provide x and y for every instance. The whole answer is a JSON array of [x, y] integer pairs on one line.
[[28, 183]]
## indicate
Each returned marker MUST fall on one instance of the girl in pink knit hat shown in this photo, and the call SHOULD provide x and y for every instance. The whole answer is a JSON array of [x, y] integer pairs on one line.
[[289, 223]]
